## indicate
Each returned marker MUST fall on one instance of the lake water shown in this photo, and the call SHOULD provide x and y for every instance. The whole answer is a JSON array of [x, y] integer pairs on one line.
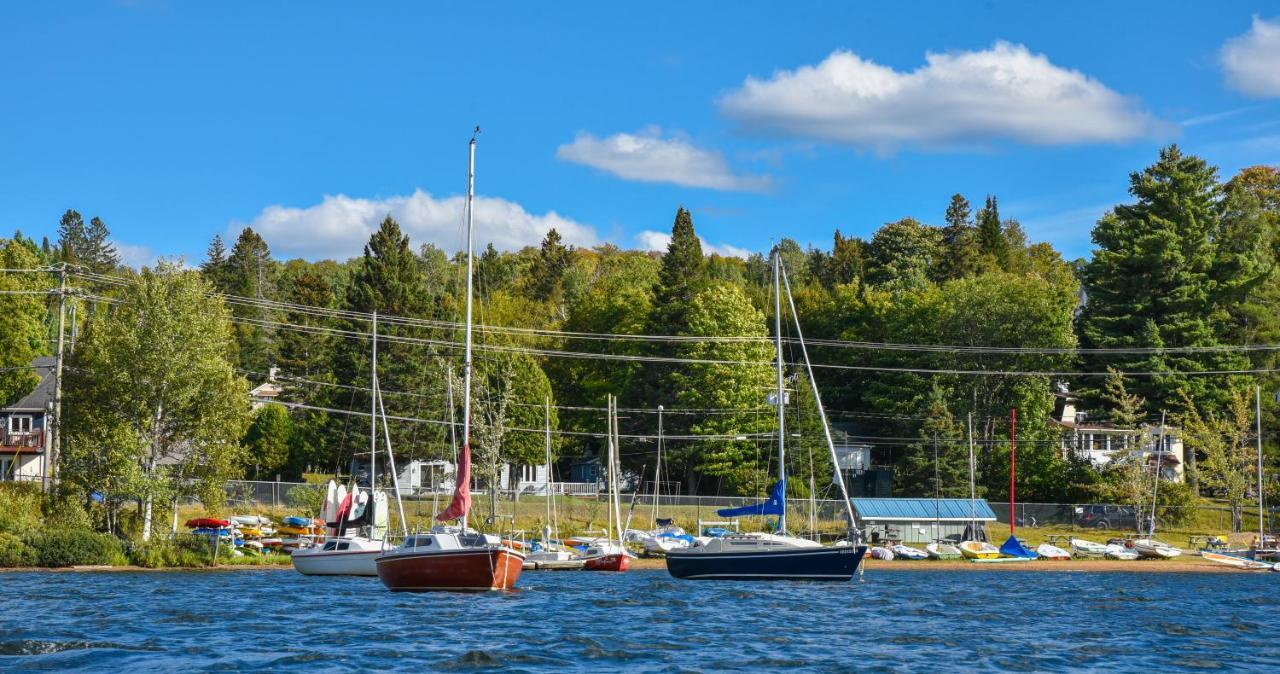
[[642, 620]]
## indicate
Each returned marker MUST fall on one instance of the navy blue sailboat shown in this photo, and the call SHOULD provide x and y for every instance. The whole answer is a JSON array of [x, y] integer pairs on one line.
[[775, 556]]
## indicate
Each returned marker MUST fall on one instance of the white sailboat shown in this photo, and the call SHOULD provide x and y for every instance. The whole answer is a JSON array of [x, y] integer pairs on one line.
[[610, 553], [1148, 546], [1238, 561], [665, 535], [777, 556], [549, 553]]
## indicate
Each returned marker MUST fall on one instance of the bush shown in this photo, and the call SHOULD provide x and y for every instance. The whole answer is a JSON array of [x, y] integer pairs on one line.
[[181, 551], [74, 547], [19, 507], [306, 497], [66, 512], [13, 552]]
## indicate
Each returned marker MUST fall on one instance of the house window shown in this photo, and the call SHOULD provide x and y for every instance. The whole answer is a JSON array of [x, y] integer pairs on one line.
[[20, 424], [6, 468]]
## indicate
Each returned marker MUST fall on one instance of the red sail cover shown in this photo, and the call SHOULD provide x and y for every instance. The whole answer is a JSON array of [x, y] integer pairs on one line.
[[462, 489]]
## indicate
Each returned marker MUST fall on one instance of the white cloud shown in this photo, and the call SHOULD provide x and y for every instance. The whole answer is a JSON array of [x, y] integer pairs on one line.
[[1002, 93], [136, 256], [339, 225], [1252, 61], [648, 157], [652, 240]]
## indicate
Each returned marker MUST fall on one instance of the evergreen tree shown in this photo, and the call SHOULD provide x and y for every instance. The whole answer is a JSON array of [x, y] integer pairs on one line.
[[546, 277], [267, 442], [494, 272], [71, 237], [959, 257], [99, 253], [990, 235], [250, 273], [214, 266], [938, 464], [1155, 281]]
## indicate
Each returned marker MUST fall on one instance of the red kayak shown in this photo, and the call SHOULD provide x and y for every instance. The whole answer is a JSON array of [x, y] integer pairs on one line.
[[207, 523]]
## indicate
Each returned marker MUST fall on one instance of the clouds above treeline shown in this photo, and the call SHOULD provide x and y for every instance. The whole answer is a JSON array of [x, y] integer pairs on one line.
[[648, 157], [339, 226], [1005, 93]]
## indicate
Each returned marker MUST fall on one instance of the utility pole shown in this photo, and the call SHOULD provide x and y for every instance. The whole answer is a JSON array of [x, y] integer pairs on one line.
[[56, 432]]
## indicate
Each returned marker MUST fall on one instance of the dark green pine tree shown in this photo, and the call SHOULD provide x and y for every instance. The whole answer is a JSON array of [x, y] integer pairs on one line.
[[1155, 281], [938, 463], [960, 257], [99, 253], [388, 279], [494, 271], [250, 273], [71, 237], [992, 243], [214, 266], [546, 277], [682, 275]]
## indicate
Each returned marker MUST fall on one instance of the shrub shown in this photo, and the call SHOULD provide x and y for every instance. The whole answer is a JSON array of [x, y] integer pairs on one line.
[[181, 551], [13, 552], [306, 497], [65, 512], [74, 547], [19, 507]]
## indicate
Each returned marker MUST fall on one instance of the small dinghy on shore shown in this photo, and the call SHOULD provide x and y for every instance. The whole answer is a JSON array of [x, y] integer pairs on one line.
[[1154, 549], [1237, 562], [1047, 551], [908, 552], [1120, 553], [979, 550], [1083, 548], [881, 553], [939, 550]]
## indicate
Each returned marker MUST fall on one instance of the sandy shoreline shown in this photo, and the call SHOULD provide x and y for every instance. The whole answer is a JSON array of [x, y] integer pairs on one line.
[[1184, 564]]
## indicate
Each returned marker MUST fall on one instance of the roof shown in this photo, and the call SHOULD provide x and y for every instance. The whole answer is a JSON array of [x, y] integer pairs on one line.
[[922, 509], [39, 398]]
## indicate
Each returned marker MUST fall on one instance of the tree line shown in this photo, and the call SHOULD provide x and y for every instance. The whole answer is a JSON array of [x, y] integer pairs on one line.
[[1187, 266]]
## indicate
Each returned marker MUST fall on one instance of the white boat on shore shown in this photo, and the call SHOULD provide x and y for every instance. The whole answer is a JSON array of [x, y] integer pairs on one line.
[[978, 550], [1054, 552], [1154, 549], [1084, 548], [939, 550], [907, 552], [1120, 553], [1237, 562]]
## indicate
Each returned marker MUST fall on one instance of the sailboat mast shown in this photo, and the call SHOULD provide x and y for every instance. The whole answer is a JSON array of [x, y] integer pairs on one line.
[[1155, 489], [373, 406], [777, 343], [546, 421], [1013, 466], [973, 490], [657, 471], [466, 358], [1257, 415], [391, 463], [822, 413], [614, 469]]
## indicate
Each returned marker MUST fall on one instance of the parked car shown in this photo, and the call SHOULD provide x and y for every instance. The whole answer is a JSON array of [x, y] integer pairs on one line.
[[1108, 517]]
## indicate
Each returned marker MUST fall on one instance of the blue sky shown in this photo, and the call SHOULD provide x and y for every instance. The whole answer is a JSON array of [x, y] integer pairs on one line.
[[178, 121]]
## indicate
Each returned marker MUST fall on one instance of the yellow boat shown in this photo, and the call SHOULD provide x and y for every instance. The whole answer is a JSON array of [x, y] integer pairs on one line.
[[978, 550], [294, 531]]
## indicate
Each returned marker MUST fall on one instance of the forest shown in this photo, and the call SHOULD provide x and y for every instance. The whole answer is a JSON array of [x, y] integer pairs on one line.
[[913, 332]]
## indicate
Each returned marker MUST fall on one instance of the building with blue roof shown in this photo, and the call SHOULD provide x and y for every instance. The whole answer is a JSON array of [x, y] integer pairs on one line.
[[919, 520]]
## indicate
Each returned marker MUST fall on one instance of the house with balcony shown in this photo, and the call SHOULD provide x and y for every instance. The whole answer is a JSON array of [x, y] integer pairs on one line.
[[1102, 442], [25, 429]]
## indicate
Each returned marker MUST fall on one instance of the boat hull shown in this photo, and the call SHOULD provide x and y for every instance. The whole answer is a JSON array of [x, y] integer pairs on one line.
[[337, 563], [830, 564], [1237, 562], [477, 570], [617, 561]]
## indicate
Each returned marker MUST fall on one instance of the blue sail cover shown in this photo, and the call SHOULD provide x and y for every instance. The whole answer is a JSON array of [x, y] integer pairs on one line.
[[1014, 548], [773, 506]]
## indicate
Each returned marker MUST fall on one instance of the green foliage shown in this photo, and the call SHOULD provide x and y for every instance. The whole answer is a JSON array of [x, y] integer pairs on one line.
[[901, 253], [182, 551], [306, 498], [14, 552], [268, 440], [154, 409], [56, 548], [23, 336], [1222, 436], [1159, 278], [20, 507]]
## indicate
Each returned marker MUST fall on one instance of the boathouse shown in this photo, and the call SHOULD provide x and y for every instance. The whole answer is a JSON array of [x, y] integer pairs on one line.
[[919, 520]]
